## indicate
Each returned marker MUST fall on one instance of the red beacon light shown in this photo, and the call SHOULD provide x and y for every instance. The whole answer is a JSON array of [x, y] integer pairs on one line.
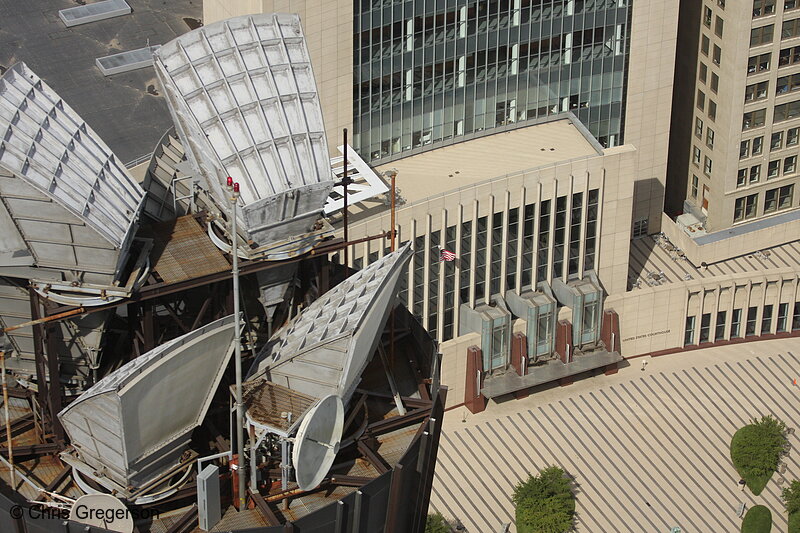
[[236, 188], [230, 181]]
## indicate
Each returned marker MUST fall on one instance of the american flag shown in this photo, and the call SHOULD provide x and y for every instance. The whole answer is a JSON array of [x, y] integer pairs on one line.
[[445, 255]]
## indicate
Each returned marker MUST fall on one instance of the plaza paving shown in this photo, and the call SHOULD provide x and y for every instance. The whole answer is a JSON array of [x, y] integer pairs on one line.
[[648, 450]]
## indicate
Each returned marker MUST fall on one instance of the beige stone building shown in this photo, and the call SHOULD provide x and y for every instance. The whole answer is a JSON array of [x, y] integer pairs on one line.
[[742, 178]]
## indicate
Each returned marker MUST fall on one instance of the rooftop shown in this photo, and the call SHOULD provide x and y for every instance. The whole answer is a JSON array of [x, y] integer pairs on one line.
[[126, 110], [466, 163], [656, 261]]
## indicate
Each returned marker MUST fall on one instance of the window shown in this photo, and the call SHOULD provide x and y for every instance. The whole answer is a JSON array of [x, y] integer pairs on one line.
[[755, 173], [705, 43], [773, 169], [750, 328], [707, 165], [796, 317], [790, 29], [789, 56], [701, 100], [464, 261], [736, 323], [698, 127], [756, 91], [575, 233], [719, 329], [640, 228], [707, 16], [717, 59], [694, 186], [591, 229], [705, 327], [758, 145], [559, 236], [744, 149], [712, 109], [762, 8], [745, 208], [759, 63], [789, 165], [783, 318], [787, 84], [714, 82], [688, 332], [719, 26], [741, 178], [721, 3], [790, 4], [761, 35], [778, 199], [792, 136], [703, 72], [696, 156], [766, 320], [754, 119], [787, 111], [776, 142], [710, 138]]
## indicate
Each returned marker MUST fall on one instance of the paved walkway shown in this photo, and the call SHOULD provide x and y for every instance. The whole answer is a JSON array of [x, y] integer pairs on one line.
[[648, 449]]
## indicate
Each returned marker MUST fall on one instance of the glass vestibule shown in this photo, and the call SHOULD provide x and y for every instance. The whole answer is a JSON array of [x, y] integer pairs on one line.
[[585, 298], [539, 311]]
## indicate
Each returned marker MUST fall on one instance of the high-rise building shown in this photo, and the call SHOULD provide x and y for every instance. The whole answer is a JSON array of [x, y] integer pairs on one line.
[[741, 166], [426, 72]]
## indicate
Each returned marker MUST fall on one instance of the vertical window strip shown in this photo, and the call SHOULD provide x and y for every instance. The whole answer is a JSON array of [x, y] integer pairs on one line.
[[575, 233], [591, 230], [544, 241]]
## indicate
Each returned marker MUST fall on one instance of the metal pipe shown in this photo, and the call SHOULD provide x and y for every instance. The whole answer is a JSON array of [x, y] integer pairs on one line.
[[78, 311], [234, 190], [393, 175], [284, 464], [345, 181], [8, 420], [253, 460]]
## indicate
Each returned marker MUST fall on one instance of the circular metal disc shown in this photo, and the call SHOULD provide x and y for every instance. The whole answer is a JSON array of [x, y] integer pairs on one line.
[[317, 441], [102, 510]]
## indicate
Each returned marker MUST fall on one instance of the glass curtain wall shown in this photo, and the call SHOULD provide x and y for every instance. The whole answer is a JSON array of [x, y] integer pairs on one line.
[[430, 70]]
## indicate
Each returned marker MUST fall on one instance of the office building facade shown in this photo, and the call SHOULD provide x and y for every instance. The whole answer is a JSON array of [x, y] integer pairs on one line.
[[743, 159]]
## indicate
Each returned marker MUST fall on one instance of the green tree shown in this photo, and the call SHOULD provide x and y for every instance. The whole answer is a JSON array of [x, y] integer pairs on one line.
[[756, 450], [544, 503], [437, 524], [791, 500]]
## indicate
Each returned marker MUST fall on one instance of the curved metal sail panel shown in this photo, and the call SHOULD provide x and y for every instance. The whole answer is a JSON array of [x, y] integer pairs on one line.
[[326, 348], [140, 417], [73, 204], [245, 105]]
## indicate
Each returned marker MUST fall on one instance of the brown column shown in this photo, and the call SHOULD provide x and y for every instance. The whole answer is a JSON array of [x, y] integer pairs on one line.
[[564, 346], [473, 399], [609, 334], [610, 326], [564, 341], [519, 353]]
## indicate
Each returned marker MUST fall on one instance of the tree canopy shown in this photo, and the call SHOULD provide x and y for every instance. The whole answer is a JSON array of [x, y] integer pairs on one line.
[[544, 503]]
